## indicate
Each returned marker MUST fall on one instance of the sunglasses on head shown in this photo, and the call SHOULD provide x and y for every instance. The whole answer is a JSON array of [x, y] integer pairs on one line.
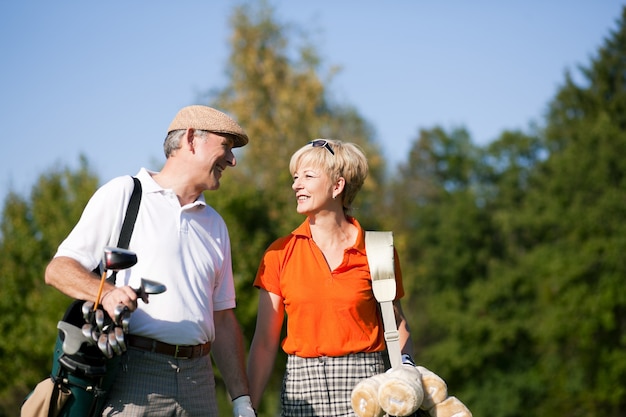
[[321, 143]]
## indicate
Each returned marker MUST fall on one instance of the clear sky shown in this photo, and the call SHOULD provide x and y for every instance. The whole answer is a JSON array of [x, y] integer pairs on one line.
[[105, 78]]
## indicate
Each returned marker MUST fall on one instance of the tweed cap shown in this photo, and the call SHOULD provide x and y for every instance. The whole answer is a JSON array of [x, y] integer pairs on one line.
[[207, 118]]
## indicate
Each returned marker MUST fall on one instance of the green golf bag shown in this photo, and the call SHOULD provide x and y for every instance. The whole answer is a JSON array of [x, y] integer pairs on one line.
[[87, 374]]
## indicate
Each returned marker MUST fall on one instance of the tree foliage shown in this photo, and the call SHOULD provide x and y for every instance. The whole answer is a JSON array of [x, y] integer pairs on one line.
[[29, 310], [276, 92], [518, 300], [512, 253]]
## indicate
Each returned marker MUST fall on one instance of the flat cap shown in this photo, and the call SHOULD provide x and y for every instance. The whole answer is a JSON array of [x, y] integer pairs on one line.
[[207, 118]]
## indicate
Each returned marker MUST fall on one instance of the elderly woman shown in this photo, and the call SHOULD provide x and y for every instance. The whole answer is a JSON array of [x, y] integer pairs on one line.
[[319, 276]]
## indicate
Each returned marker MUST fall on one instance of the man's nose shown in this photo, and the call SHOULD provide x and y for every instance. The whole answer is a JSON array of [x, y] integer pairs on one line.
[[231, 160]]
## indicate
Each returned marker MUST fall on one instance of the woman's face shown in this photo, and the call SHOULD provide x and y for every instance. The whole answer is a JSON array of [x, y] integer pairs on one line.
[[314, 191]]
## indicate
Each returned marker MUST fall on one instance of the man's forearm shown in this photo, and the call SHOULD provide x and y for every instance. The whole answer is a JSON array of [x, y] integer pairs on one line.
[[229, 353], [72, 279]]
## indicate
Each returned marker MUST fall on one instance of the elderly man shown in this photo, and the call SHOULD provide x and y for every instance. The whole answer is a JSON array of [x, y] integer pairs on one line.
[[183, 243]]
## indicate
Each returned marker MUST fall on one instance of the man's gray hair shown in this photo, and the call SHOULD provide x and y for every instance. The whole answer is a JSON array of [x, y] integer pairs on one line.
[[172, 140]]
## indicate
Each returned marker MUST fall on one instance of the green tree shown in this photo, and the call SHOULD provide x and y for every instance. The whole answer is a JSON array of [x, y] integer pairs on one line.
[[543, 330], [576, 215], [29, 310], [276, 91], [445, 239]]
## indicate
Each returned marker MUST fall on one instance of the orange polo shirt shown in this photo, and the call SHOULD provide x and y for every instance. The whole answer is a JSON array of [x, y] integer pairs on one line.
[[329, 313]]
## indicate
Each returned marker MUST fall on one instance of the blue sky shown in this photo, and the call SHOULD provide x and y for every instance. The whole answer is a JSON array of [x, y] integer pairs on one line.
[[105, 78]]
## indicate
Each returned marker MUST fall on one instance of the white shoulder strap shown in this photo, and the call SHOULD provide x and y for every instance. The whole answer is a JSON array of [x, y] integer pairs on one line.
[[379, 250]]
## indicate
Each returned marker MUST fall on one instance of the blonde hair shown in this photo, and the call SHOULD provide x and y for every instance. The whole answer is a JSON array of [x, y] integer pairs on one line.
[[346, 160]]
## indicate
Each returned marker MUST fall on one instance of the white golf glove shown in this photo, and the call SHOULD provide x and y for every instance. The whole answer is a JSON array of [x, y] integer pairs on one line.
[[242, 407]]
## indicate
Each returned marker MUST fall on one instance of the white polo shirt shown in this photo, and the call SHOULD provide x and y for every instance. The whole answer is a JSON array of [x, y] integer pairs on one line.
[[186, 248]]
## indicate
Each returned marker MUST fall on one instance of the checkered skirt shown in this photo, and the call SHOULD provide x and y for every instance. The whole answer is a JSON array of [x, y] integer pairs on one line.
[[321, 387]]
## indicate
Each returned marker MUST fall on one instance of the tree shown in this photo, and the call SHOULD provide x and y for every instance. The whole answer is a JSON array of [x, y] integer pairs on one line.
[[29, 310], [276, 92], [577, 217], [515, 254], [446, 238], [544, 330]]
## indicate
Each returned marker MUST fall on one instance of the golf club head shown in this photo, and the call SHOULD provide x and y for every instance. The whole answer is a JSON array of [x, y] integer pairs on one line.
[[95, 335], [87, 310], [126, 322], [119, 311], [114, 259], [99, 314], [103, 345], [113, 343], [119, 336], [73, 337], [87, 331], [150, 287]]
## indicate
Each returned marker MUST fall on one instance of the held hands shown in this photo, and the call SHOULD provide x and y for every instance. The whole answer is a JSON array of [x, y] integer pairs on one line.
[[242, 407]]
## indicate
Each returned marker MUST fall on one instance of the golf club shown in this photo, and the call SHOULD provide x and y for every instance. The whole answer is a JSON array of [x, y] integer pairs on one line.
[[87, 330], [113, 343], [114, 259], [119, 310], [126, 321], [103, 345], [150, 287], [119, 336], [99, 319], [73, 337], [146, 288], [87, 310]]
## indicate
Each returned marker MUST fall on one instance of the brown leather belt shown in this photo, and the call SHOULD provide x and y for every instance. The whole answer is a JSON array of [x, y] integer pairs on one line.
[[177, 351]]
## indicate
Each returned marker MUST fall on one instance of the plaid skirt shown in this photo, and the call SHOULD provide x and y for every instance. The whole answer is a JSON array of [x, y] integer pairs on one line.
[[321, 387]]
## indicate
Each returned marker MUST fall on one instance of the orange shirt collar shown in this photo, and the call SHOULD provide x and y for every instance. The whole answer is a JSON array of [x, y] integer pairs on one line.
[[305, 230]]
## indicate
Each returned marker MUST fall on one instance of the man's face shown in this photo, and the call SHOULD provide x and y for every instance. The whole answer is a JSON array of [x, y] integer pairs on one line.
[[213, 153]]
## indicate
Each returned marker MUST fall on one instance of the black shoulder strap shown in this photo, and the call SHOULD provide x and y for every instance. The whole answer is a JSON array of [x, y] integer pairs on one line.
[[131, 216], [129, 222]]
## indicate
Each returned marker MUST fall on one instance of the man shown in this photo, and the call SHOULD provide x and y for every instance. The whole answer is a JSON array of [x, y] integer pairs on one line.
[[183, 243]]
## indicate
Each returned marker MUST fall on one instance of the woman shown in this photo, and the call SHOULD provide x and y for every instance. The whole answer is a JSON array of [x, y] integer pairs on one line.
[[319, 276]]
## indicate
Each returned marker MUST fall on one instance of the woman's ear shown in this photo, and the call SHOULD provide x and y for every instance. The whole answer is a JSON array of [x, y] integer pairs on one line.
[[340, 184]]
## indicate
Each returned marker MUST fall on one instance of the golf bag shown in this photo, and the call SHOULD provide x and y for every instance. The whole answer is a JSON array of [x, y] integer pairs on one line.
[[88, 374]]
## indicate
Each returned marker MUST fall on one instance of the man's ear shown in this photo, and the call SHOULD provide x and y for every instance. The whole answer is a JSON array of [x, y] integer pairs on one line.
[[190, 133]]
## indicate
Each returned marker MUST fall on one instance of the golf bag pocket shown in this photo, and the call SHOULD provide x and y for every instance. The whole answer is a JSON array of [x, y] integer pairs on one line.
[[46, 400]]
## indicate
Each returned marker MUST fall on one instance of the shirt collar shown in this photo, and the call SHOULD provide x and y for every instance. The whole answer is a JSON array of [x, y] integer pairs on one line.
[[304, 230], [149, 185]]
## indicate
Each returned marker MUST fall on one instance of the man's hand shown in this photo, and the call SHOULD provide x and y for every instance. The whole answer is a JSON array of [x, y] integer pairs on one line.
[[115, 296], [242, 407]]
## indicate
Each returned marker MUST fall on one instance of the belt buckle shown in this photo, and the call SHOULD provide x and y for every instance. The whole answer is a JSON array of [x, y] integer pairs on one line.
[[176, 353]]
